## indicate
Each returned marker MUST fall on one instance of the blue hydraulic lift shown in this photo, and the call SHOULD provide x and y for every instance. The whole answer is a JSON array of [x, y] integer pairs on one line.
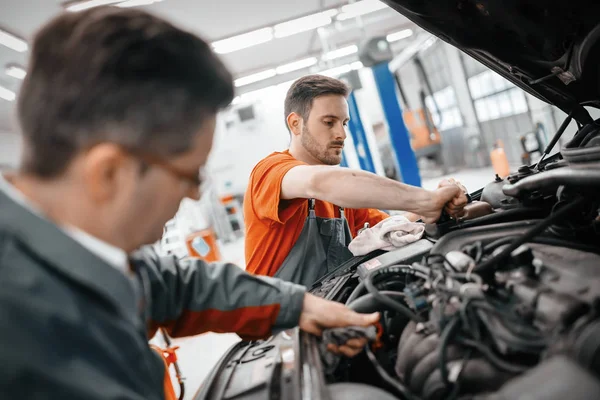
[[399, 136], [357, 130]]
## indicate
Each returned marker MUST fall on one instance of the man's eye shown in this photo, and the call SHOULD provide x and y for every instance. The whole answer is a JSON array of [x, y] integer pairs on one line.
[[329, 123]]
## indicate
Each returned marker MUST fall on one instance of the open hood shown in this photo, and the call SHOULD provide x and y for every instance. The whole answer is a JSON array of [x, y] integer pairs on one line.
[[551, 49]]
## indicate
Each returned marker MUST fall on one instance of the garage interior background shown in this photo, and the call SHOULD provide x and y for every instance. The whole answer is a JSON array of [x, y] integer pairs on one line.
[[267, 45]]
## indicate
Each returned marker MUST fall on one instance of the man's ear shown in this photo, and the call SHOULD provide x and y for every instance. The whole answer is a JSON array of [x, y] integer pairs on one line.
[[294, 122], [102, 172]]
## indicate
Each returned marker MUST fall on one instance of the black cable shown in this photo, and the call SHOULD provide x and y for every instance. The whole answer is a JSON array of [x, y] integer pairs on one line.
[[531, 233], [396, 384], [448, 331], [554, 140], [492, 358]]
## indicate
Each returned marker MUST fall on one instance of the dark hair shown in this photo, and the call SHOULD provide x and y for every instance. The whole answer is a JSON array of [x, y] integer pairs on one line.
[[300, 96], [116, 75]]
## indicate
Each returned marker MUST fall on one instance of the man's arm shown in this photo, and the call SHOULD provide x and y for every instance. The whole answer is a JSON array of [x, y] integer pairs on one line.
[[360, 189], [197, 297]]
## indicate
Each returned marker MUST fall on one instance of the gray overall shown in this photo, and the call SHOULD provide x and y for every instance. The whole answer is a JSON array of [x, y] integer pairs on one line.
[[321, 246]]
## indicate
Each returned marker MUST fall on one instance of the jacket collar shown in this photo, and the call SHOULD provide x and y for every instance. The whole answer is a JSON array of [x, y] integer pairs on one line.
[[64, 255]]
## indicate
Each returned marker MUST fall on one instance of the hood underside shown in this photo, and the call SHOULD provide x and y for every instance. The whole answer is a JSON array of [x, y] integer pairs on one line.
[[549, 48]]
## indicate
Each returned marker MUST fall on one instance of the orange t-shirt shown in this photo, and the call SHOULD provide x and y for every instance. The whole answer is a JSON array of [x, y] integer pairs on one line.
[[273, 225]]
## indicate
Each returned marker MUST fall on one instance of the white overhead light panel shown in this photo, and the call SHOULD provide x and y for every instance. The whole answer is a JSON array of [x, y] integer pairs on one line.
[[403, 34], [84, 5], [137, 3], [296, 65], [7, 94], [359, 8], [259, 76], [341, 52], [304, 24], [16, 71], [12, 42], [243, 41]]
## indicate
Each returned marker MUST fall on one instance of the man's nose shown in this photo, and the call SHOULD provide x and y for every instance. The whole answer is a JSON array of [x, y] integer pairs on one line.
[[342, 133]]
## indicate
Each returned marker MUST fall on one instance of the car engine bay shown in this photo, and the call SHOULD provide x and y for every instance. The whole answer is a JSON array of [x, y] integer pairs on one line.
[[502, 303], [493, 306]]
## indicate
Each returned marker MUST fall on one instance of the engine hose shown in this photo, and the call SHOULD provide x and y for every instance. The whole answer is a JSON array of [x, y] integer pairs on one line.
[[391, 303], [487, 265], [356, 292], [493, 359], [369, 303], [395, 383], [448, 331]]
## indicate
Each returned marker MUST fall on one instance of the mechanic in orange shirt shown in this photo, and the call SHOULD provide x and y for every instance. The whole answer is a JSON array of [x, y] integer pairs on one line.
[[301, 210]]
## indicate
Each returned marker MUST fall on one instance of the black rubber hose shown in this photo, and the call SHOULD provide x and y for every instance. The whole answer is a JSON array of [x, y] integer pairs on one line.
[[391, 303], [369, 303], [356, 292], [487, 265], [396, 384]]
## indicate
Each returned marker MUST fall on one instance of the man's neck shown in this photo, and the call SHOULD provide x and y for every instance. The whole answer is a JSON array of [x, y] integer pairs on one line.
[[299, 153], [62, 203]]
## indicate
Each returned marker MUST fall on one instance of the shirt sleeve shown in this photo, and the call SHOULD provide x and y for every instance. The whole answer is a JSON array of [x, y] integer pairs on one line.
[[193, 297], [265, 187]]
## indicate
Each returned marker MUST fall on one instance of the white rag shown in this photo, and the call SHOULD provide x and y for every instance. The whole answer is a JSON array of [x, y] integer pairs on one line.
[[391, 233]]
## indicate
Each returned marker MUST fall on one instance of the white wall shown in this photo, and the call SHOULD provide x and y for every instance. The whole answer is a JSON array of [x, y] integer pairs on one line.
[[10, 149], [237, 150]]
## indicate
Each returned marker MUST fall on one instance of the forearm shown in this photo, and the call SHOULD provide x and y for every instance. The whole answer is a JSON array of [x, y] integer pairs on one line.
[[198, 297], [360, 189]]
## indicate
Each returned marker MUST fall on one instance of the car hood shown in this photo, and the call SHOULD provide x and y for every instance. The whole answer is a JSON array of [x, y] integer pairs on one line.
[[548, 48]]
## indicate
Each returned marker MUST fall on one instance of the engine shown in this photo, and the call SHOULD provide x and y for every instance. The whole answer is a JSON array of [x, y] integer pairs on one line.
[[497, 305]]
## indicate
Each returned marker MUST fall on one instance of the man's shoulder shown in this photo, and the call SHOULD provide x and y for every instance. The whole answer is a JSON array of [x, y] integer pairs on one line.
[[275, 158]]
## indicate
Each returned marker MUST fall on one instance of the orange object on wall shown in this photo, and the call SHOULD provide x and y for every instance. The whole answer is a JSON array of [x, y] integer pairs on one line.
[[203, 244], [499, 160], [416, 124]]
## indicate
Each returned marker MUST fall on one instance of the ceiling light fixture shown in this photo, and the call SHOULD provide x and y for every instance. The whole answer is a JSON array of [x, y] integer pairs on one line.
[[7, 94], [15, 71], [304, 24], [13, 42], [403, 34], [84, 5], [342, 69], [341, 52], [259, 76], [296, 65], [243, 41], [363, 7]]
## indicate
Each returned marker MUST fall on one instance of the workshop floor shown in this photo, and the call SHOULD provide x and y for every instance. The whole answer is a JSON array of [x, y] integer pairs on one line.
[[198, 355]]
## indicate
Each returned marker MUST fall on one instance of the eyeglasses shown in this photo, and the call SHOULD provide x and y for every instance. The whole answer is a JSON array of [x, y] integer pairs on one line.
[[194, 179]]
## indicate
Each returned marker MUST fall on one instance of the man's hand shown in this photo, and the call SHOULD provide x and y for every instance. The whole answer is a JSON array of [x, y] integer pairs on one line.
[[456, 205], [440, 198], [318, 314]]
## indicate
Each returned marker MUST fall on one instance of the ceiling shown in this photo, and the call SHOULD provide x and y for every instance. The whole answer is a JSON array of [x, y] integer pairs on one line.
[[214, 22]]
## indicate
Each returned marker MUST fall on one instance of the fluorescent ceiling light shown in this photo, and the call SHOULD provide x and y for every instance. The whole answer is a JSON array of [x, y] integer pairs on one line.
[[360, 8], [243, 41], [341, 52], [304, 24], [403, 34], [7, 94], [296, 65], [84, 5], [356, 65], [259, 76], [12, 42], [16, 72], [136, 3], [342, 69]]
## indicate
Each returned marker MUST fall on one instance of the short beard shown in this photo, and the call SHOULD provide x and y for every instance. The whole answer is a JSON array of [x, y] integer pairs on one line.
[[312, 147]]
